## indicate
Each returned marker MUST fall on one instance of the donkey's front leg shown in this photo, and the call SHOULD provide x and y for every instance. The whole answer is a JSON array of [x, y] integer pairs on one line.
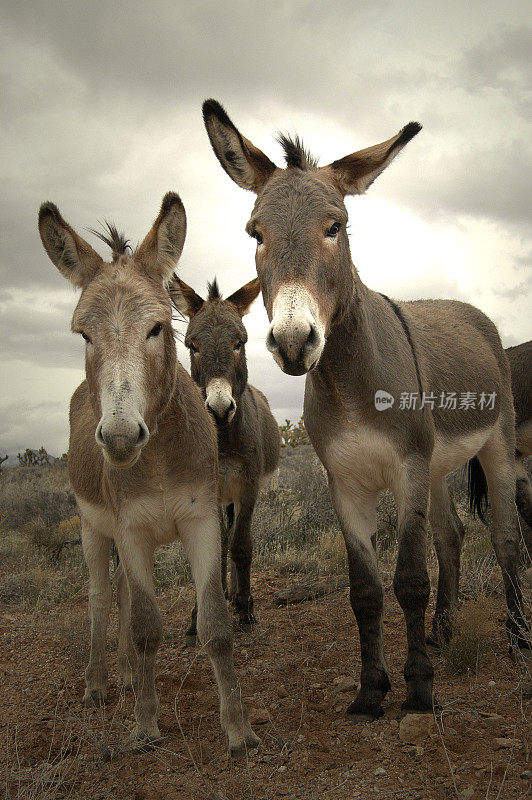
[[136, 557], [96, 552], [411, 580], [201, 539], [356, 510], [241, 553]]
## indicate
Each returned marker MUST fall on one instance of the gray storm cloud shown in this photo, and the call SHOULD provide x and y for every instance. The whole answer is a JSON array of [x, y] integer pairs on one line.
[[101, 115]]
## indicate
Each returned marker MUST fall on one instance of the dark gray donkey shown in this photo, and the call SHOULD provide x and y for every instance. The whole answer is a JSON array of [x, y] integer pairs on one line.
[[248, 436], [397, 394], [520, 360]]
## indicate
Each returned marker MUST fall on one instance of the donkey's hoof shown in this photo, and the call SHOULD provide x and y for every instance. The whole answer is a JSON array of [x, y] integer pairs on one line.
[[141, 739], [247, 622], [94, 698], [366, 707], [251, 741], [364, 719], [419, 697]]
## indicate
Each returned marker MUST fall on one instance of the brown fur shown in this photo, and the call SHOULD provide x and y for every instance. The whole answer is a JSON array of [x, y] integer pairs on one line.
[[353, 342], [520, 358], [142, 462], [249, 443]]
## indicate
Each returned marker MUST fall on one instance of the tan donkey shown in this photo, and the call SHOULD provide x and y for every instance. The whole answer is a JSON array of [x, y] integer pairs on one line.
[[367, 359], [142, 461]]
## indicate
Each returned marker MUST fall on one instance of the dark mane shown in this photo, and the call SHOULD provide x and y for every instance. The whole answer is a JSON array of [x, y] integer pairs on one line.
[[295, 153], [213, 291], [116, 241]]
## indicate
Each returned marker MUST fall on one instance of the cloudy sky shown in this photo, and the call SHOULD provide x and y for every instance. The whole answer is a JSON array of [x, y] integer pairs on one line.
[[102, 115]]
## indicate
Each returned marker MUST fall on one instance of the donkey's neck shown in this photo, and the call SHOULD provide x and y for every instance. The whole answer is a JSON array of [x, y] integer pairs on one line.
[[351, 363]]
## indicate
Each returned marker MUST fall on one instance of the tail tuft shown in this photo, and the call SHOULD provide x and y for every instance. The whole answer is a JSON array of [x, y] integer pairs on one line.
[[477, 489]]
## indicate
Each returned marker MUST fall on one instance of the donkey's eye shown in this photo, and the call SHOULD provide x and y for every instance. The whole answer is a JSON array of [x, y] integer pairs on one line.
[[256, 235], [87, 339], [193, 349], [155, 331], [237, 347], [332, 233]]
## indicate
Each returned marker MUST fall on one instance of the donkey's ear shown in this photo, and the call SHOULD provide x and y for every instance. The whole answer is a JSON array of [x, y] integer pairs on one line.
[[72, 255], [159, 252], [243, 162], [244, 297], [356, 172], [184, 298]]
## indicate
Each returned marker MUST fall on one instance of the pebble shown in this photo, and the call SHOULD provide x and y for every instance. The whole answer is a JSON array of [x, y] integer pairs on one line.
[[344, 684], [282, 768], [526, 775], [258, 716], [492, 684], [416, 727], [380, 771], [502, 743]]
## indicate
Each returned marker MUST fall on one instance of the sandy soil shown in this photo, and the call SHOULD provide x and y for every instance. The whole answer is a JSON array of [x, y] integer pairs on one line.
[[295, 670]]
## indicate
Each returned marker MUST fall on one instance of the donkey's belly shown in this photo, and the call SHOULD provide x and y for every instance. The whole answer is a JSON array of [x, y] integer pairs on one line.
[[231, 480], [451, 453]]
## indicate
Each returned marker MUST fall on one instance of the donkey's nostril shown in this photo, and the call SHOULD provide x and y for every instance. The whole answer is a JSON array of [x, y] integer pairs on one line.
[[99, 434], [143, 436], [232, 406], [271, 342], [313, 337]]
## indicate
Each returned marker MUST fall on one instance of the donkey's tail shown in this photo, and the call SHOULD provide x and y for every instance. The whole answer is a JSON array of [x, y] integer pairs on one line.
[[477, 488]]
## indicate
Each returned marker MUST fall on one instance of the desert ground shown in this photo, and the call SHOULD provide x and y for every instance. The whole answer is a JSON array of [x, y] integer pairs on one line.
[[298, 668]]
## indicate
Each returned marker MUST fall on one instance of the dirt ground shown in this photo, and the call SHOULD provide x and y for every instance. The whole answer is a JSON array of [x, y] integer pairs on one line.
[[295, 670]]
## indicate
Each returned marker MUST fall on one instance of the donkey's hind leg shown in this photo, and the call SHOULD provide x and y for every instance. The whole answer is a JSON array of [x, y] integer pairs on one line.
[[191, 636], [448, 533], [523, 492], [96, 552], [411, 581], [241, 547], [201, 540], [356, 511], [127, 656], [497, 461]]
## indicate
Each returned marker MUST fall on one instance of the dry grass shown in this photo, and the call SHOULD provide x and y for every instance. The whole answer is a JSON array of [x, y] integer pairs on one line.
[[295, 532], [28, 493], [472, 635]]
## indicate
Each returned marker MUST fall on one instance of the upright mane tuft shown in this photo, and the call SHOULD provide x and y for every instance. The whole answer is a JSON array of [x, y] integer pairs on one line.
[[295, 153], [213, 291], [111, 236]]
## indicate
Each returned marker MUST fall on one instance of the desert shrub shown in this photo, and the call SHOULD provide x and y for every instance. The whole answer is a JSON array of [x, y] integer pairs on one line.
[[386, 522], [33, 458], [331, 552], [171, 567], [52, 541], [472, 635], [28, 493], [292, 435], [23, 587]]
